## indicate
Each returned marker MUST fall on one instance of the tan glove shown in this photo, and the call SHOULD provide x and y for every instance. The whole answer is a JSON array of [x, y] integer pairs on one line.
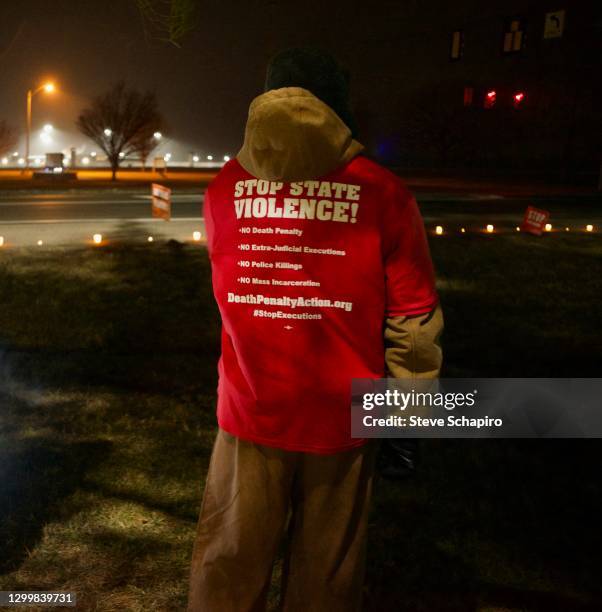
[[412, 345]]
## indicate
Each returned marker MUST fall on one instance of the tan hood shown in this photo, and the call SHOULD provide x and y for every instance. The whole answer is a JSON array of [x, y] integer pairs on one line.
[[291, 135]]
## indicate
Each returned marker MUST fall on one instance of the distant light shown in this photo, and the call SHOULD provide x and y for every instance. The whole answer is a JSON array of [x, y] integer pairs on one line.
[[548, 227], [97, 238], [16, 154], [121, 155], [589, 228], [226, 158], [439, 230], [49, 87], [85, 161], [566, 229], [150, 238], [40, 242], [108, 131], [518, 97], [21, 161], [1, 241], [48, 127], [196, 236], [93, 154], [195, 158], [57, 170], [167, 157], [490, 98], [463, 230], [157, 135], [4, 161], [210, 157], [489, 229], [517, 228]]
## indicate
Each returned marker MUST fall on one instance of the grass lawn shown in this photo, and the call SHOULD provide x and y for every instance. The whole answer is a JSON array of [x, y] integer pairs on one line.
[[107, 380]]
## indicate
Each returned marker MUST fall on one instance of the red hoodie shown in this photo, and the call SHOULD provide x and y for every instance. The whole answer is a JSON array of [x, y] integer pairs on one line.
[[304, 274]]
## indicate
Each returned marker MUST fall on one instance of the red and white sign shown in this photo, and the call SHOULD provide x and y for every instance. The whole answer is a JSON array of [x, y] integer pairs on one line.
[[161, 197], [535, 220]]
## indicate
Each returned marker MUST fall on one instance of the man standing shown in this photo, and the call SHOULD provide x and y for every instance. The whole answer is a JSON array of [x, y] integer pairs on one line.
[[322, 273]]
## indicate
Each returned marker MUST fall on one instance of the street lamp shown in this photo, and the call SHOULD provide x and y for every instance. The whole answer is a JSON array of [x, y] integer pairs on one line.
[[46, 87]]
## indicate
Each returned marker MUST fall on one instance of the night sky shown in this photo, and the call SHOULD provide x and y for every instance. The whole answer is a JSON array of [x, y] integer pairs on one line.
[[204, 87], [394, 50]]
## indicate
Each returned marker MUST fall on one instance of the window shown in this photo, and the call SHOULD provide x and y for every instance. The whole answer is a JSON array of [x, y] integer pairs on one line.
[[456, 49], [514, 36], [468, 96]]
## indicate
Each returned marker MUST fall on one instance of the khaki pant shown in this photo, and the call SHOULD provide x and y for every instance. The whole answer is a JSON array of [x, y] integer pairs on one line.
[[245, 515]]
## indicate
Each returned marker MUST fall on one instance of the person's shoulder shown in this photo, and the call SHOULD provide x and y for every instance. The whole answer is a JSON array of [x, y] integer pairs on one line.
[[228, 174], [371, 172]]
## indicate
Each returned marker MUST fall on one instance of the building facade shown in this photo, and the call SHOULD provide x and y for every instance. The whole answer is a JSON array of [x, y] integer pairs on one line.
[[497, 87]]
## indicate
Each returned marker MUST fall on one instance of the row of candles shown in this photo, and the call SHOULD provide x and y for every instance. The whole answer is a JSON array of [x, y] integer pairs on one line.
[[490, 229], [439, 230], [99, 239]]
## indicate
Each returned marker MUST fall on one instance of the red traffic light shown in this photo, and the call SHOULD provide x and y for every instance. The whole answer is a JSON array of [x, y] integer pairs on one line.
[[490, 98], [518, 98]]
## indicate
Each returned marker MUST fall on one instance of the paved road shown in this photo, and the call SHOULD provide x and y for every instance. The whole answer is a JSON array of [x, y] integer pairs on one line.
[[97, 204], [72, 216]]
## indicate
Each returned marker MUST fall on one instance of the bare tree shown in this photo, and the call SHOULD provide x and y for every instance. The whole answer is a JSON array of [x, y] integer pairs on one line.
[[169, 20], [16, 28], [144, 146], [7, 137], [119, 120]]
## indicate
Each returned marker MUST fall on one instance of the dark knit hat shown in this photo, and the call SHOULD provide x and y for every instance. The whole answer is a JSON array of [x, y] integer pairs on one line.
[[316, 70]]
